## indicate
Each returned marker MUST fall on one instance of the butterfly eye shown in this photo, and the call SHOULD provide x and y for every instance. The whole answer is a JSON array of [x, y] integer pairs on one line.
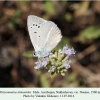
[[39, 36], [31, 27], [35, 32], [34, 54], [33, 24], [36, 24]]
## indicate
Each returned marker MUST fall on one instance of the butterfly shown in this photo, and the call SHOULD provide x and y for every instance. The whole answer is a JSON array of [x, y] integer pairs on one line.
[[44, 35]]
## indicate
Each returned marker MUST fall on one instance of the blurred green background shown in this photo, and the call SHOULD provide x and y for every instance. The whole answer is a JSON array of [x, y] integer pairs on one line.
[[80, 26]]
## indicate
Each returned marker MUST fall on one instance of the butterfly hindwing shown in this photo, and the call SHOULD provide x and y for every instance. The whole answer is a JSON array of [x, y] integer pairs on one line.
[[50, 36]]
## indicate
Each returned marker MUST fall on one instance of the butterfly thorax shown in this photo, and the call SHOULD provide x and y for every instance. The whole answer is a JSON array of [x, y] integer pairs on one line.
[[41, 53]]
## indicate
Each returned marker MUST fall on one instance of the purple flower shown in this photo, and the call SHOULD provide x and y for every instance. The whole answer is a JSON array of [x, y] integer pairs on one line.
[[68, 51], [38, 65], [66, 64], [64, 49], [52, 69], [56, 60], [42, 63], [45, 61]]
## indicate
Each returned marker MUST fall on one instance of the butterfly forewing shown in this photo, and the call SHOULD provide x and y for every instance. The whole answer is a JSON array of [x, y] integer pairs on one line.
[[34, 23]]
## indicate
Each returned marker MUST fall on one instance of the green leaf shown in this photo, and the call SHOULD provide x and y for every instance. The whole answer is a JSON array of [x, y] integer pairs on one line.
[[49, 7], [64, 70], [53, 74], [11, 25], [43, 81], [23, 3], [71, 78], [63, 74], [64, 2], [28, 54], [17, 12], [68, 17], [17, 21], [92, 32]]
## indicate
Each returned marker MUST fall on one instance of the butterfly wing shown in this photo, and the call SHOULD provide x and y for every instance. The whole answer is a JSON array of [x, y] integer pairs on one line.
[[34, 23], [44, 35], [50, 36]]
